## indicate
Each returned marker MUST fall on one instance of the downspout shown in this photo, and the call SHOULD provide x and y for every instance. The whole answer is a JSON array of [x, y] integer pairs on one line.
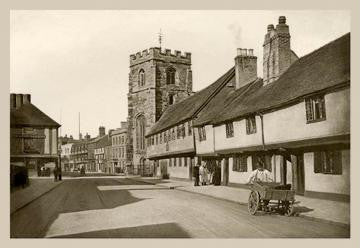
[[262, 130]]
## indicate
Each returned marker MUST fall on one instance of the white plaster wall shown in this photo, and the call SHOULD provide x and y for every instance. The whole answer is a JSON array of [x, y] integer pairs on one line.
[[289, 124], [319, 182], [240, 139], [179, 171], [47, 141], [177, 145], [54, 141], [205, 146], [239, 177]]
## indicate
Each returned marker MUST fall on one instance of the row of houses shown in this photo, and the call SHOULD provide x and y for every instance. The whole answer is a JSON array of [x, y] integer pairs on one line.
[[296, 119], [105, 153]]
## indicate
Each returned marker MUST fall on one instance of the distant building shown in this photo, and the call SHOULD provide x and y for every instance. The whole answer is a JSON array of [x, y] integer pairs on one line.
[[65, 156], [119, 141], [79, 155], [96, 152], [101, 145], [33, 135]]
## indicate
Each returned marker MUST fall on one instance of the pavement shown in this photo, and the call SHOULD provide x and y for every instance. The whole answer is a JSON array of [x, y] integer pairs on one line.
[[334, 212], [131, 208], [21, 197]]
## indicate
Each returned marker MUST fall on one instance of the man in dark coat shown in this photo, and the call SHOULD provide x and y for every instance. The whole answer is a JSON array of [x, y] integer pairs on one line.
[[196, 175]]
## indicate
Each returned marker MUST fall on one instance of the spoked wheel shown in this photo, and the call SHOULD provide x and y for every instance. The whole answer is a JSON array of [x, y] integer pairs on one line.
[[254, 202], [289, 210]]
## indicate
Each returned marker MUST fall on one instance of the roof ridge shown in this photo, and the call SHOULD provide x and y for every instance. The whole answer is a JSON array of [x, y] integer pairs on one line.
[[320, 48]]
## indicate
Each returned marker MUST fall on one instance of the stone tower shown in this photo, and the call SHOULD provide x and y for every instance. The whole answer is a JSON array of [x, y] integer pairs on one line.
[[277, 56], [157, 79]]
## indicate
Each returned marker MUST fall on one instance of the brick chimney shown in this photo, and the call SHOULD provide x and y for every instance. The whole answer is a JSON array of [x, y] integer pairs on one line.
[[123, 124], [17, 100], [245, 67], [277, 53], [101, 131]]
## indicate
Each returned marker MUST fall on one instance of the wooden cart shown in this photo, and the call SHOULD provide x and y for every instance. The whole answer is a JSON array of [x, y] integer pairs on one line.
[[271, 197]]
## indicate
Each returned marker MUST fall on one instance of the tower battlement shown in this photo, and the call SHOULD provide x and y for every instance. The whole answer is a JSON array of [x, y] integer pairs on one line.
[[159, 54]]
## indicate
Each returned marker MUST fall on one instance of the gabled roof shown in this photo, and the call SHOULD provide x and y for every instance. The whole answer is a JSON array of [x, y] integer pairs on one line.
[[324, 68], [30, 116], [186, 109]]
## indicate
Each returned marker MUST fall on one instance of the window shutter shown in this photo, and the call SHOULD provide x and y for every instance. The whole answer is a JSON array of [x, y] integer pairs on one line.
[[234, 164], [317, 162], [309, 113]]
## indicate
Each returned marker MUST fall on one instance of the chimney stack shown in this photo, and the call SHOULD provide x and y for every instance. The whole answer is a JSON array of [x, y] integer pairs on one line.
[[26, 98], [245, 67], [277, 54], [19, 100], [123, 124], [12, 101], [101, 131]]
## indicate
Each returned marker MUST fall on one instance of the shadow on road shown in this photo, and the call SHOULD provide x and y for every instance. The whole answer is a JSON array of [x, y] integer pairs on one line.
[[72, 196], [167, 230]]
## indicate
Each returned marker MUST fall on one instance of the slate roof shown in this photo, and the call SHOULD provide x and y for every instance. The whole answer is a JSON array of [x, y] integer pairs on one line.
[[186, 109], [324, 68], [29, 115]]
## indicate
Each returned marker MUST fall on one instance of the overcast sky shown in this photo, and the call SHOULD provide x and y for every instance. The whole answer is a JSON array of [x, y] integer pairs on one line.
[[78, 61]]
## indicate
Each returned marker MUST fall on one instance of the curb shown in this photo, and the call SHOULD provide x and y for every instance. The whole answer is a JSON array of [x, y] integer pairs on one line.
[[245, 204], [34, 199]]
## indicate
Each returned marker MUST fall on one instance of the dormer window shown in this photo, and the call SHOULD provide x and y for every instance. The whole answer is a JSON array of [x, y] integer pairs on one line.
[[141, 77], [170, 75]]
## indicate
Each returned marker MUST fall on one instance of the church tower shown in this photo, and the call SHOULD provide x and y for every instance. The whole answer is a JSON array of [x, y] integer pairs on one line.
[[157, 79]]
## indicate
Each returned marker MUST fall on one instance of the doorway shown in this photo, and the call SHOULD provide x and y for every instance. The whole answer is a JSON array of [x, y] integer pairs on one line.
[[297, 162], [225, 176]]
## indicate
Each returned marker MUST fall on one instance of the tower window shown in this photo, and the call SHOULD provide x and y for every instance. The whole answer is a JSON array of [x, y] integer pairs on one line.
[[140, 132], [141, 77], [170, 76], [171, 99]]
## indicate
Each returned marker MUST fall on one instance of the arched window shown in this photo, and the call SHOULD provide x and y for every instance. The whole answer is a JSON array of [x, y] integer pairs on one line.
[[141, 77], [170, 75], [140, 133]]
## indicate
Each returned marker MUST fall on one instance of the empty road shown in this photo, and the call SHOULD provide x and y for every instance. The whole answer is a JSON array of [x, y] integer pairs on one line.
[[123, 208]]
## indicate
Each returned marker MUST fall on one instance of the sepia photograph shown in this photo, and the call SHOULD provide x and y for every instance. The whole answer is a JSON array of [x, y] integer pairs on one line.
[[196, 124]]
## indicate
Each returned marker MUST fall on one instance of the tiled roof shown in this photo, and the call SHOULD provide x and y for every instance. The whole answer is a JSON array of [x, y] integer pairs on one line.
[[326, 67], [186, 109], [225, 97], [29, 115]]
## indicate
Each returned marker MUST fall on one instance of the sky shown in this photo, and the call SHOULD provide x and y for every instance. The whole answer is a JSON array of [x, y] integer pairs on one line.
[[75, 62]]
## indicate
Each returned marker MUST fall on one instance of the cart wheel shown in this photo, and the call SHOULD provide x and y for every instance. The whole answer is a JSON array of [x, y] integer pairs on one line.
[[289, 211], [253, 203]]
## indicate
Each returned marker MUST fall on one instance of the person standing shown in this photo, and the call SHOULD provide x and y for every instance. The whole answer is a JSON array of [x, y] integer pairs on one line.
[[55, 174], [196, 175], [201, 172]]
